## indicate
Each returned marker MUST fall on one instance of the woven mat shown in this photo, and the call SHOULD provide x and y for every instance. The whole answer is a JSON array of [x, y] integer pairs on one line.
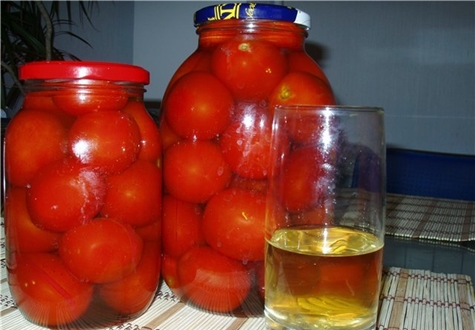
[[430, 218], [410, 299]]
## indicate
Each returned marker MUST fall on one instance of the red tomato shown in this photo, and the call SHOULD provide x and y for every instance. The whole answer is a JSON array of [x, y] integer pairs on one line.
[[233, 224], [308, 128], [107, 140], [198, 61], [45, 291], [64, 195], [169, 137], [194, 171], [301, 88], [300, 61], [150, 143], [33, 139], [246, 146], [213, 281], [170, 274], [305, 180], [101, 251], [198, 106], [181, 226], [134, 195], [151, 232], [318, 215], [135, 292], [80, 101], [251, 69], [43, 101], [21, 233]]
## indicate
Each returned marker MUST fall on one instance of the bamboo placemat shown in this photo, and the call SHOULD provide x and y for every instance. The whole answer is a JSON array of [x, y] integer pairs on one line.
[[430, 218], [410, 299]]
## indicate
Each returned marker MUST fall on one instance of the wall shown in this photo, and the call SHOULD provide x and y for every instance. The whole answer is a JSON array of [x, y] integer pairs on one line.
[[415, 59], [111, 37]]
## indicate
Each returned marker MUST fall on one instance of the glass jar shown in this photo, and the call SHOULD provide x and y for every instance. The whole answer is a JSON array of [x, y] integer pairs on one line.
[[215, 125], [83, 195]]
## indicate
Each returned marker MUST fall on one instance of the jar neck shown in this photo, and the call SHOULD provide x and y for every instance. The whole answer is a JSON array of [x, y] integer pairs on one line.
[[282, 34], [54, 86]]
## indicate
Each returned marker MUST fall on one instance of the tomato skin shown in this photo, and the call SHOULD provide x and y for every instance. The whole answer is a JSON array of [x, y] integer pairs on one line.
[[101, 251], [169, 274], [78, 102], [301, 88], [107, 140], [134, 195], [45, 291], [22, 235], [151, 232], [33, 139], [198, 106], [135, 292], [304, 184], [193, 171], [233, 224], [198, 61], [64, 195], [300, 61], [150, 142], [250, 68], [213, 281], [181, 226], [246, 146], [169, 137]]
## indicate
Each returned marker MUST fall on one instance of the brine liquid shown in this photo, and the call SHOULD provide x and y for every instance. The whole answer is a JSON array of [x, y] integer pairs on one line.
[[322, 278]]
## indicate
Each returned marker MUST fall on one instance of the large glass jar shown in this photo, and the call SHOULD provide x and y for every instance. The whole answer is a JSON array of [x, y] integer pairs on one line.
[[83, 195], [215, 124]]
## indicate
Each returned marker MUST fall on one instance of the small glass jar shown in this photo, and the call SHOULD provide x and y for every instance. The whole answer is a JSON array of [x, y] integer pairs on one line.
[[82, 195], [216, 124]]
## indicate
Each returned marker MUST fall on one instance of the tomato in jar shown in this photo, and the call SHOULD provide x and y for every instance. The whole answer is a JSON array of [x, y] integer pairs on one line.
[[216, 123], [83, 165]]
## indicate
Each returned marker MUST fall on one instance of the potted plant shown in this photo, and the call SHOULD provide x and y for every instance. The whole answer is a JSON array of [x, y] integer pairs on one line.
[[29, 30]]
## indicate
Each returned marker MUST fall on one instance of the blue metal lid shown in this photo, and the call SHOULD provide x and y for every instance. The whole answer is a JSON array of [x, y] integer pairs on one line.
[[251, 11]]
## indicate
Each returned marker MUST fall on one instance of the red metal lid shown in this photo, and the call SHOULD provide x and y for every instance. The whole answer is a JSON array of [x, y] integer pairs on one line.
[[84, 70]]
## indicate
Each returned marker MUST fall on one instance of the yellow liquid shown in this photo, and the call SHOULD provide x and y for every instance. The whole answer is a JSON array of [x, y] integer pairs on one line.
[[322, 278]]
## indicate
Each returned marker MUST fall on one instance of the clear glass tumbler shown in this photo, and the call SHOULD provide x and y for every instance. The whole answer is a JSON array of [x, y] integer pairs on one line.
[[325, 218]]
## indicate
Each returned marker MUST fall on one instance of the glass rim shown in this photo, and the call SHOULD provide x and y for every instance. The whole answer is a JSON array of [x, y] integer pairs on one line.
[[334, 107]]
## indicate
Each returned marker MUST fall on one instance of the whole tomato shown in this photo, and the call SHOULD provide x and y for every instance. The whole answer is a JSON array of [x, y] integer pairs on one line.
[[181, 226], [304, 184], [22, 234], [301, 88], [150, 140], [170, 274], [45, 291], [101, 251], [233, 224], [246, 145], [134, 293], [193, 171], [133, 196], [213, 281], [107, 140], [198, 106], [64, 195], [79, 101], [250, 68], [33, 139]]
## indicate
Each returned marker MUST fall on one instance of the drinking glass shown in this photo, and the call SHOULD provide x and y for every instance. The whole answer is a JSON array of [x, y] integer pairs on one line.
[[325, 212]]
